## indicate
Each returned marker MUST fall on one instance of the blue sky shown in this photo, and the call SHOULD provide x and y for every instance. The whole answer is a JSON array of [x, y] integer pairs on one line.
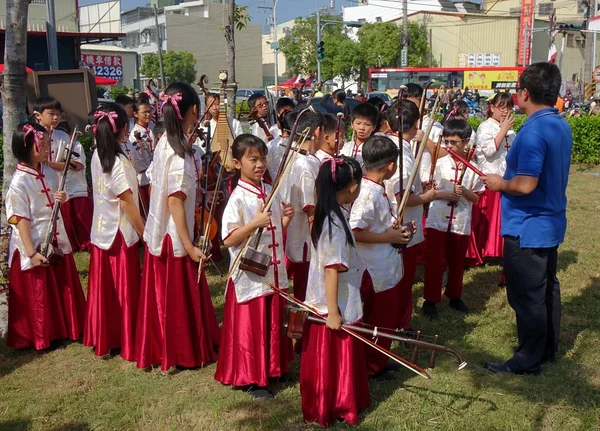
[[286, 9]]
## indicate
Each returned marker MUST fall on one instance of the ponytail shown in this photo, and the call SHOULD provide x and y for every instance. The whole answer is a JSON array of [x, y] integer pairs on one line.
[[109, 121], [177, 100], [334, 175]]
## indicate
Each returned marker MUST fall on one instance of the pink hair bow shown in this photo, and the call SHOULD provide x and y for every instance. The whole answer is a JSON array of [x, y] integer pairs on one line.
[[111, 116], [173, 99], [334, 163], [37, 135]]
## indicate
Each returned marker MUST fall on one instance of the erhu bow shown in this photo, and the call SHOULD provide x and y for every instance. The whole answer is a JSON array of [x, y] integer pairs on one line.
[[53, 254], [150, 92], [338, 127], [422, 104]]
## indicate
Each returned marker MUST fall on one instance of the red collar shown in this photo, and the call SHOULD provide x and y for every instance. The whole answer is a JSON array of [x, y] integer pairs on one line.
[[374, 182], [31, 171], [260, 192], [326, 152]]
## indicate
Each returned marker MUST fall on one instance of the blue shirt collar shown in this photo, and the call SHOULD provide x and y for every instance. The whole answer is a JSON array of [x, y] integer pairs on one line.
[[540, 113]]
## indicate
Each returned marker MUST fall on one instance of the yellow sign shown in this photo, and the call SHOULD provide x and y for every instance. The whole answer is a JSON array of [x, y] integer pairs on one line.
[[485, 79]]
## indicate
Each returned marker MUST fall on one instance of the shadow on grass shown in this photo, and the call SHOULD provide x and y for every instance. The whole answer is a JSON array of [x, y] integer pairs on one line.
[[73, 426], [15, 425], [11, 359]]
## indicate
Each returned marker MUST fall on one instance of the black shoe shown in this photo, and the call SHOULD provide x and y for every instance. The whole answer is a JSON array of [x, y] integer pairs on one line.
[[502, 285], [261, 393], [459, 305], [503, 368], [430, 310], [392, 366], [384, 376], [549, 359]]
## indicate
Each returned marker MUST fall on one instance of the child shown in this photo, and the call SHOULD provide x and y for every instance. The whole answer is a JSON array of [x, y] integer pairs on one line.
[[276, 150], [212, 104], [414, 207], [45, 303], [254, 346], [142, 149], [157, 132], [176, 324], [333, 373], [128, 103], [372, 218], [77, 210], [299, 191], [114, 280], [259, 105], [448, 225], [365, 118], [494, 138], [329, 128]]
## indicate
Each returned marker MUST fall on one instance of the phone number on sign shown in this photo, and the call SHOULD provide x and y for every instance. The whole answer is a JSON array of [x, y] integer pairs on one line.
[[108, 71]]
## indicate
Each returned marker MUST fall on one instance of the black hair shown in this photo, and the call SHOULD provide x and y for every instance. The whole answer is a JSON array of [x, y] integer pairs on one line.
[[124, 100], [173, 127], [542, 81], [159, 128], [284, 102], [339, 95], [501, 100], [410, 115], [326, 189], [255, 98], [141, 102], [378, 151], [107, 143], [413, 90], [22, 147], [64, 127], [310, 119], [46, 102], [459, 109], [244, 142], [367, 112], [457, 127], [377, 102], [329, 123], [143, 98]]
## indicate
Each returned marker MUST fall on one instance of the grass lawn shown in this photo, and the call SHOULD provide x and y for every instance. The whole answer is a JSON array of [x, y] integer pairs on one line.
[[71, 389]]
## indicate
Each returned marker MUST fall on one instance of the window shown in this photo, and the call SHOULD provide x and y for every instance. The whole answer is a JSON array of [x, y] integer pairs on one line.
[[378, 19], [545, 9], [570, 40], [362, 20], [515, 11], [38, 2]]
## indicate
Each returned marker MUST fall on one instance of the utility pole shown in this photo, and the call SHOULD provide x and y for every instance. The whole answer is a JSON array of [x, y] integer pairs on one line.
[[318, 42], [275, 43], [51, 36], [430, 48], [405, 42], [230, 38], [526, 45], [159, 42]]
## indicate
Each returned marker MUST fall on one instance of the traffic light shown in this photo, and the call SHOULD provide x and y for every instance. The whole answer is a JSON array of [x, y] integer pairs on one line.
[[320, 50], [570, 27]]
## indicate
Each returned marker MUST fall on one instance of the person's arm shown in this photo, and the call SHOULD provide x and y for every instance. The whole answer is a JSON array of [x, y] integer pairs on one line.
[[176, 206], [131, 211], [390, 236], [334, 319], [519, 185], [415, 200], [24, 229], [237, 236], [287, 215]]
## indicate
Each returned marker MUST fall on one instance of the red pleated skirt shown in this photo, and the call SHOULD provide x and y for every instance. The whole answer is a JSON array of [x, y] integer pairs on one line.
[[333, 376], [113, 294], [254, 346], [494, 243], [44, 304], [478, 232], [144, 192], [77, 217], [176, 321]]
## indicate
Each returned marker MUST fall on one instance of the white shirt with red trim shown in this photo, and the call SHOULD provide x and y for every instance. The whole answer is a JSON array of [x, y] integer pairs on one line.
[[436, 131], [393, 189], [354, 150], [492, 160], [299, 190], [444, 216], [176, 174], [76, 183], [322, 155], [274, 155], [373, 211], [241, 207], [260, 133], [109, 217], [140, 156], [333, 249], [234, 124], [31, 196]]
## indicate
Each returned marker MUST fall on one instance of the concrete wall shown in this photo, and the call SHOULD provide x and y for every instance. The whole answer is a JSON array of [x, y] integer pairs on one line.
[[65, 11], [204, 39]]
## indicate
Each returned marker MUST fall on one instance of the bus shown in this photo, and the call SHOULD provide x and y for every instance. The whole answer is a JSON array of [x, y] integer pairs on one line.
[[483, 79]]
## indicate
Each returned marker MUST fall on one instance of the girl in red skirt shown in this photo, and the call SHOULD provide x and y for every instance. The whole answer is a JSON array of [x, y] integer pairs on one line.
[[333, 372], [176, 323], [45, 303], [114, 281], [494, 138], [254, 347]]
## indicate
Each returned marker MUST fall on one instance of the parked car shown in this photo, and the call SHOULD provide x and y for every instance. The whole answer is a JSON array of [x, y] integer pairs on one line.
[[243, 94], [384, 96]]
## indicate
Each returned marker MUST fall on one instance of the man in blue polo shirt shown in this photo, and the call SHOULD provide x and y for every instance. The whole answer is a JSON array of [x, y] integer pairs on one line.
[[534, 219]]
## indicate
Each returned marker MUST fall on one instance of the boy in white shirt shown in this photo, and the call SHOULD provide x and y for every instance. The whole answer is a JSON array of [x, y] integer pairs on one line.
[[327, 150], [365, 118]]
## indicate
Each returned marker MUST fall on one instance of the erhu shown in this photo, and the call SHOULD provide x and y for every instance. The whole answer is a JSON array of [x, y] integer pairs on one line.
[[338, 127], [430, 182], [54, 255], [150, 92], [422, 104], [296, 316], [249, 258]]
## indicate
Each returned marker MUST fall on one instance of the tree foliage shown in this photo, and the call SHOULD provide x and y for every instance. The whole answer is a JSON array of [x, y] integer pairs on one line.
[[178, 66]]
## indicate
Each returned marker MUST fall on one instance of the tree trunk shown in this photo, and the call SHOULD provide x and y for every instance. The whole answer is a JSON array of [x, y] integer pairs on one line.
[[230, 37], [13, 103]]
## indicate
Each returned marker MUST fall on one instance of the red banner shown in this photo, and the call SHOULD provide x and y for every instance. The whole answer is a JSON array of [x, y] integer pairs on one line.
[[525, 34]]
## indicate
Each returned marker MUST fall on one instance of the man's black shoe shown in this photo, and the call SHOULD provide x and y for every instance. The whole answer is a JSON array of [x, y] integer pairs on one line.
[[459, 305], [503, 368], [430, 310]]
